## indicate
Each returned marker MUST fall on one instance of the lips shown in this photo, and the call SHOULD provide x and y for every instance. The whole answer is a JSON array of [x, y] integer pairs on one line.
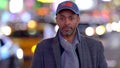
[[66, 28]]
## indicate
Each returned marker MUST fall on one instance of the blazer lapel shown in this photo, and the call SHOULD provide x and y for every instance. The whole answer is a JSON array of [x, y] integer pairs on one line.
[[84, 54], [56, 51]]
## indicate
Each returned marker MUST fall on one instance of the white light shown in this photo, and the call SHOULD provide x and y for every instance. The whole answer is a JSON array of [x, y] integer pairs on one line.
[[20, 53], [118, 27], [89, 31], [119, 22], [56, 28], [106, 0], [111, 63], [108, 27], [85, 4], [114, 26], [55, 4], [1, 33], [6, 30], [16, 6]]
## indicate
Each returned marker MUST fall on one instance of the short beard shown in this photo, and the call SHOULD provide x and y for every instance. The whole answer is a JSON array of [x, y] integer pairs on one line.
[[67, 33]]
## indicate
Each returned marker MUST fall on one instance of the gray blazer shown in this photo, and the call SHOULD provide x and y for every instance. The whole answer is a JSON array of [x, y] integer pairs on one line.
[[90, 52]]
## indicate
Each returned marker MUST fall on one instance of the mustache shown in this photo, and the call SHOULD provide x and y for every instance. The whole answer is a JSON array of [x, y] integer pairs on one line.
[[66, 27]]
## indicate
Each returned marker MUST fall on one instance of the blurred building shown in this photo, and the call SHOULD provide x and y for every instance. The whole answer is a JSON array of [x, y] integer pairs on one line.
[[26, 22]]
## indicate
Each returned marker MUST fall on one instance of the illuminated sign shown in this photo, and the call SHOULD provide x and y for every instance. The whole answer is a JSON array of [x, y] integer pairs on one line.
[[46, 1]]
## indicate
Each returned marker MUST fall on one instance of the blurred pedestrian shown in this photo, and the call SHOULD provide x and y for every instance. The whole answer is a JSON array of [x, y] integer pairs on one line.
[[69, 49]]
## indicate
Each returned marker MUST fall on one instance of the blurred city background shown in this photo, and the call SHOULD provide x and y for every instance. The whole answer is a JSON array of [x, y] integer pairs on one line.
[[24, 23]]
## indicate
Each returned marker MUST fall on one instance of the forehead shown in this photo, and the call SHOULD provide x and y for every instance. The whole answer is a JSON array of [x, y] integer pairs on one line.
[[66, 11]]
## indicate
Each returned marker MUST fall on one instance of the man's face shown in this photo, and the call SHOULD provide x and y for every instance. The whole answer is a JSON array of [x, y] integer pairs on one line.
[[67, 22]]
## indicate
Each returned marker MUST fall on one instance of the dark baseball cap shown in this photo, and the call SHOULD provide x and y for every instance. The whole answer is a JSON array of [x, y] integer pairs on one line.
[[68, 5]]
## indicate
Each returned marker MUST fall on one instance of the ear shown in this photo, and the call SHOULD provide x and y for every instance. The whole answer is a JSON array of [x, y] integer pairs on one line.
[[78, 19], [56, 19]]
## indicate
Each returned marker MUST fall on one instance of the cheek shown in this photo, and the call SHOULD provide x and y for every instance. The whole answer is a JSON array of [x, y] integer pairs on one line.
[[59, 24], [74, 24]]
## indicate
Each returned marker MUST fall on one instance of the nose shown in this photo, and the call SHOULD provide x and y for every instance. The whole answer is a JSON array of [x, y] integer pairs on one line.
[[67, 21]]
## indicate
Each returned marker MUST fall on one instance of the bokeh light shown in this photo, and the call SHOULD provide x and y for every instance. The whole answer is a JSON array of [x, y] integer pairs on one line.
[[16, 6], [32, 24], [85, 4], [89, 31], [108, 27], [20, 53], [33, 48], [100, 30], [6, 30]]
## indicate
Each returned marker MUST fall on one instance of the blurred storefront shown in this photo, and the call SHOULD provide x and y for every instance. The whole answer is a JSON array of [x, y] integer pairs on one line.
[[26, 23]]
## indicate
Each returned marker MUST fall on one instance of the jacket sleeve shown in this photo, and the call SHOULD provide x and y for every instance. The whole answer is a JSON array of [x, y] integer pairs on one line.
[[37, 61], [101, 58]]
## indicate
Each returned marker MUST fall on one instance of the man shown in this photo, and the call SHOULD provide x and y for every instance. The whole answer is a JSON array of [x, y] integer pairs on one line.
[[69, 49]]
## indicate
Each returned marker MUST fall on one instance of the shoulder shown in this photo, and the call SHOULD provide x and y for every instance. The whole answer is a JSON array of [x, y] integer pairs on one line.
[[91, 40], [93, 43], [45, 43]]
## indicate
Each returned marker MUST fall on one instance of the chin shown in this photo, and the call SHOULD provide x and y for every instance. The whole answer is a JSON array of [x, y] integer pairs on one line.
[[67, 33]]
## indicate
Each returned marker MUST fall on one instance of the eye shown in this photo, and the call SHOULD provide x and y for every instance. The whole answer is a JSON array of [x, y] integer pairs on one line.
[[62, 18], [71, 18]]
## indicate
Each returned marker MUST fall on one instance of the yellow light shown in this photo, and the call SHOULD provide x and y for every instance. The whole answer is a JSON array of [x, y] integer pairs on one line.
[[32, 24], [89, 31], [118, 29], [6, 30], [116, 2], [46, 1], [100, 30], [33, 48]]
